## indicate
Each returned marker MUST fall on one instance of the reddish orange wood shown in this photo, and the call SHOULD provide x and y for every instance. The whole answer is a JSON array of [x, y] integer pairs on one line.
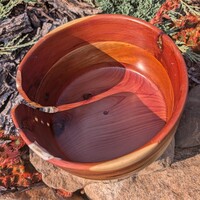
[[118, 85], [102, 73], [132, 82], [96, 132]]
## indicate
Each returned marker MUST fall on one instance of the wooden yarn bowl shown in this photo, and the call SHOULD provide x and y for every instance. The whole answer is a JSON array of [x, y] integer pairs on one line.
[[116, 85]]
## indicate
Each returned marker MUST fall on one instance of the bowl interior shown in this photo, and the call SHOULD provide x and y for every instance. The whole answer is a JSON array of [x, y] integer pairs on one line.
[[115, 80]]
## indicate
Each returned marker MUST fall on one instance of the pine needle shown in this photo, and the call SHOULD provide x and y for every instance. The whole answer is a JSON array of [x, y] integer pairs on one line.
[[5, 9], [16, 43]]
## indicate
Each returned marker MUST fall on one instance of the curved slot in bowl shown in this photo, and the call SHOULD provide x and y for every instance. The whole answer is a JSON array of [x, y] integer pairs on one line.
[[117, 93]]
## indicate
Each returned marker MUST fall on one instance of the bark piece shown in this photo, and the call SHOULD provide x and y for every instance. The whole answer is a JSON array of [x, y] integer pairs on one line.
[[74, 7], [11, 27], [34, 19], [8, 94]]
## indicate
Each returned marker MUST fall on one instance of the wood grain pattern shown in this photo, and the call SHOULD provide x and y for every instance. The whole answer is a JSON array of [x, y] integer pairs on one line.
[[87, 170], [132, 82], [114, 61], [101, 78], [117, 93], [107, 125], [117, 28], [106, 129]]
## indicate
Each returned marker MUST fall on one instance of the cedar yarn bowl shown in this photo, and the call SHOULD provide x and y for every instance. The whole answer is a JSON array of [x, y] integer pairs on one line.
[[116, 87]]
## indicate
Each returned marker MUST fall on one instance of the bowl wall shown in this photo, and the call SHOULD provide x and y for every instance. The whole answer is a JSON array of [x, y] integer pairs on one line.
[[113, 46]]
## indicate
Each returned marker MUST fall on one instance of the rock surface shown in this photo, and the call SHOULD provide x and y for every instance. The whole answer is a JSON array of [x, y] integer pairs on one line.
[[55, 177], [180, 181], [188, 134], [175, 182], [40, 192], [37, 193]]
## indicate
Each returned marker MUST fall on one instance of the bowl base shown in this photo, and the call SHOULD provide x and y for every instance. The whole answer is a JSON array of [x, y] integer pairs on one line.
[[110, 124]]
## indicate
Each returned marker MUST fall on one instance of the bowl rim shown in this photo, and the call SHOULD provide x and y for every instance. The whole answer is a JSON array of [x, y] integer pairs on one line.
[[173, 121]]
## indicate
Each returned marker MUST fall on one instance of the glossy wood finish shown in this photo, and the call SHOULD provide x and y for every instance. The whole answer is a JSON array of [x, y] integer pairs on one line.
[[100, 131], [108, 126], [39, 127], [118, 85], [104, 56], [122, 29], [106, 129]]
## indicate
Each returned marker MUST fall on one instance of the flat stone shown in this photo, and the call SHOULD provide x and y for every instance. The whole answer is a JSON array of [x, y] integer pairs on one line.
[[55, 177], [180, 181], [188, 133], [41, 192], [37, 193]]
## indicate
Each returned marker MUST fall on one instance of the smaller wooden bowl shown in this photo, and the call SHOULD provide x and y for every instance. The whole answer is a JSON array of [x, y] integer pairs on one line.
[[117, 87]]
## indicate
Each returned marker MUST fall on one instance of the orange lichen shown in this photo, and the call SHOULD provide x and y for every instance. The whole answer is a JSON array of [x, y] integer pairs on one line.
[[163, 11], [186, 24], [15, 168], [64, 193]]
